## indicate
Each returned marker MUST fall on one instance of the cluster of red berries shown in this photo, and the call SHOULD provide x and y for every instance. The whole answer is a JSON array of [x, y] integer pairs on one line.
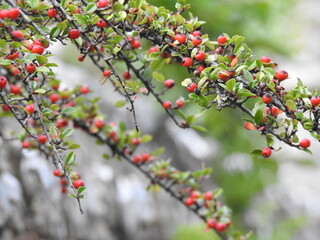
[[12, 13], [169, 84], [75, 177]]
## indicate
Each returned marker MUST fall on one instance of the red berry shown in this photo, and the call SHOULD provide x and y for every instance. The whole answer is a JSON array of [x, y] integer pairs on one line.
[[78, 183], [137, 159], [38, 42], [74, 34], [224, 76], [17, 34], [15, 89], [281, 75], [136, 141], [145, 157], [135, 43], [266, 152], [166, 104], [42, 139], [200, 56], [25, 144], [102, 3], [181, 38], [305, 143], [5, 108], [315, 101], [31, 67], [3, 82], [37, 49], [208, 196], [266, 98], [191, 87], [29, 108], [84, 89], [196, 41], [14, 13], [179, 103], [107, 73], [222, 39], [265, 59], [169, 83], [274, 111], [54, 97], [249, 126], [61, 122], [196, 33], [189, 202], [200, 68], [221, 227], [63, 190], [4, 13], [186, 62], [127, 75], [57, 173], [52, 13], [81, 58], [13, 56], [101, 23], [211, 223], [153, 49], [99, 123]]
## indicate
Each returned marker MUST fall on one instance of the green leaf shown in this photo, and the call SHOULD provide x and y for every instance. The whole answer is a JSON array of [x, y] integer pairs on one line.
[[258, 117], [54, 32], [146, 138], [186, 82], [106, 156], [230, 84], [159, 151], [54, 131], [70, 158], [81, 19], [68, 110], [91, 7], [256, 153], [54, 107], [217, 192], [200, 128], [291, 105], [41, 59], [307, 150], [158, 76], [122, 126], [247, 75], [71, 195], [120, 103], [269, 140], [245, 93], [43, 69], [74, 146], [117, 6], [82, 191], [191, 119], [67, 132], [5, 62], [46, 111], [40, 91]]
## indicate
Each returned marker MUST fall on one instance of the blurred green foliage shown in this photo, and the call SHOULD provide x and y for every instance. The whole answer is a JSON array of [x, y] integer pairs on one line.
[[195, 233]]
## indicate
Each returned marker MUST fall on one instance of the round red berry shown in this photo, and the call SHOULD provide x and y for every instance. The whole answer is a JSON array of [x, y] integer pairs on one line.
[[265, 59], [107, 73], [13, 56], [169, 83], [153, 49], [222, 39], [54, 97], [281, 75], [78, 183], [211, 223], [191, 87], [102, 3], [224, 76], [15, 89], [52, 13], [25, 144], [305, 143], [14, 13], [127, 75], [145, 157], [29, 108], [196, 33], [196, 41], [221, 227], [137, 159], [81, 58], [57, 173], [166, 104], [31, 67], [179, 103], [99, 123], [266, 152], [84, 89], [42, 139], [186, 62], [208, 196], [181, 38], [17, 34], [74, 34], [37, 49], [136, 141], [101, 23], [315, 101], [189, 201], [266, 98], [4, 13], [3, 82], [200, 56]]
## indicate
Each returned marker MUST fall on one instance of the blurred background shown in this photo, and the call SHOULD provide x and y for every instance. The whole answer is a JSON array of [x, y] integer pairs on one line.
[[276, 198]]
